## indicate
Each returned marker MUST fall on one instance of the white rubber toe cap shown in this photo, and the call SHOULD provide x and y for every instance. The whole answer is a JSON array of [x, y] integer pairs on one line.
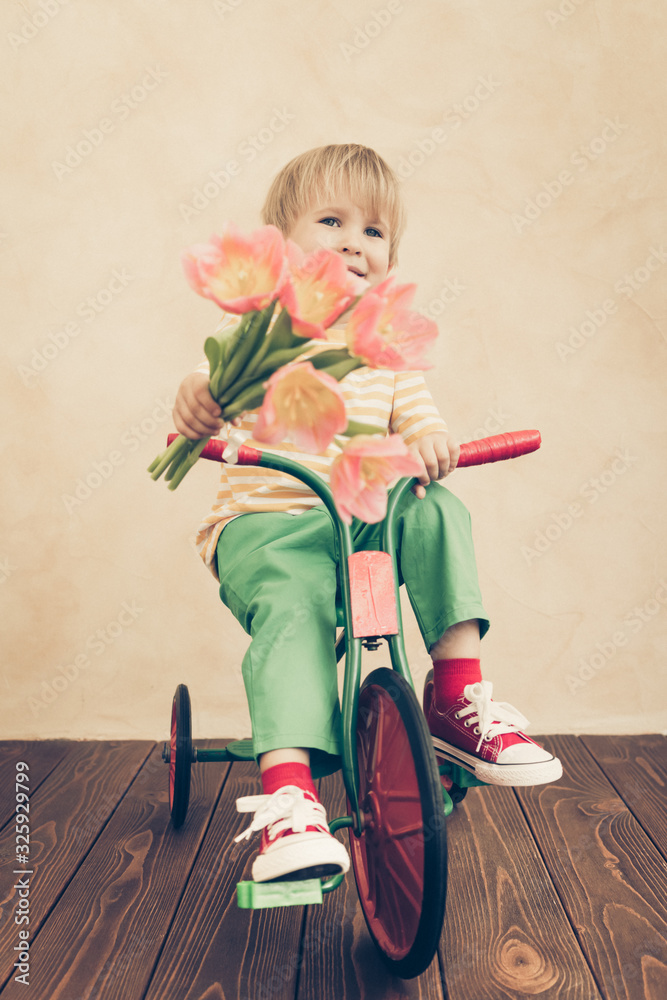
[[524, 753]]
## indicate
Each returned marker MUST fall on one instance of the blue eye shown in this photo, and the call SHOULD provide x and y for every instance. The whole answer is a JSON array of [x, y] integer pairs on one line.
[[329, 219], [374, 232]]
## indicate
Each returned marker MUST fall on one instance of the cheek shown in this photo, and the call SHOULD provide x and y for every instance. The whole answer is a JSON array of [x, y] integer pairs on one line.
[[307, 239], [320, 236], [382, 263], [326, 237]]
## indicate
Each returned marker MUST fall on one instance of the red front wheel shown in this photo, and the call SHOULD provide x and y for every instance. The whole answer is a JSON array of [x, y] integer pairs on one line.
[[400, 859]]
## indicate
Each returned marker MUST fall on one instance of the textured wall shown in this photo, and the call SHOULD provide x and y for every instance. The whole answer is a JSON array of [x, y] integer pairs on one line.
[[530, 137]]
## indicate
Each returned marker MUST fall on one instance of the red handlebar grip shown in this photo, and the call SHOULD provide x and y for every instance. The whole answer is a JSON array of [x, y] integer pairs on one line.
[[498, 447], [215, 451], [212, 449]]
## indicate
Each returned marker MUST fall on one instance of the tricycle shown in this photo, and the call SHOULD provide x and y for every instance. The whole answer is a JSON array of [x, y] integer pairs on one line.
[[399, 791]]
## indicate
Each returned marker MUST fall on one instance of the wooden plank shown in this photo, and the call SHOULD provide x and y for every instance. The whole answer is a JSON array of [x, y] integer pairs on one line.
[[338, 958], [67, 812], [610, 877], [104, 936], [41, 756], [108, 875], [505, 934], [216, 951], [637, 768]]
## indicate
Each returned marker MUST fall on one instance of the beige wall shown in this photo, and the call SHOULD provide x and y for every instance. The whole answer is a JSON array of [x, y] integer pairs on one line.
[[530, 135]]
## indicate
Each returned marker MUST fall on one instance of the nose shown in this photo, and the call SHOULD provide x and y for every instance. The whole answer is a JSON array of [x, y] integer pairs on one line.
[[348, 242]]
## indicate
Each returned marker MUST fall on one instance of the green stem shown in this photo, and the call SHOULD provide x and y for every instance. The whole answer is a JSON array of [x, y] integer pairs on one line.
[[239, 354], [226, 361], [254, 373], [337, 362], [177, 474], [252, 395], [250, 399], [281, 329], [166, 457]]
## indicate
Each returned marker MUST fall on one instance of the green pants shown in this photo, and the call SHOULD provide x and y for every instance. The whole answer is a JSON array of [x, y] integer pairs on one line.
[[278, 576]]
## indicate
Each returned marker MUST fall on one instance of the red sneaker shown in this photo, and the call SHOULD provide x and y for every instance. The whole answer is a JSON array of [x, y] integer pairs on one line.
[[473, 732], [296, 843]]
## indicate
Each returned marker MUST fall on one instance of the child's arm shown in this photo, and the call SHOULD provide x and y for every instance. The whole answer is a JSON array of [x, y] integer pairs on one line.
[[438, 452], [196, 414], [415, 417]]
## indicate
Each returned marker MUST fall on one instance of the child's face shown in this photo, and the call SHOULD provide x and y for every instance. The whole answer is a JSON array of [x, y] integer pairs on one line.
[[345, 227]]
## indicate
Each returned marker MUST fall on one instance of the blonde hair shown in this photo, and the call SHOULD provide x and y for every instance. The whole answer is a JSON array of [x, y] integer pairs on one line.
[[322, 172]]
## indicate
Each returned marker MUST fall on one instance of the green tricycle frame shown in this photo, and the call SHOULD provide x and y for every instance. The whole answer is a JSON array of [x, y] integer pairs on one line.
[[398, 794]]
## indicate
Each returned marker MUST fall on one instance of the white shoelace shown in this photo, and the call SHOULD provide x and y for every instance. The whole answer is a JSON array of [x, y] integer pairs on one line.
[[286, 809], [492, 718]]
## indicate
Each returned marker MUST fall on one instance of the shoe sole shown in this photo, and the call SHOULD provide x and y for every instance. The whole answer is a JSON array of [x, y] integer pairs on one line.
[[317, 871], [539, 773]]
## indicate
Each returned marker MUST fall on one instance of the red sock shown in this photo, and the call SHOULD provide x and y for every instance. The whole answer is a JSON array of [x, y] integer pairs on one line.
[[289, 773], [450, 677]]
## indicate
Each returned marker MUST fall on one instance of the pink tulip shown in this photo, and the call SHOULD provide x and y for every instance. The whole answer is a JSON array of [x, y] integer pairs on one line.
[[361, 474], [239, 273], [303, 404], [318, 289], [384, 333]]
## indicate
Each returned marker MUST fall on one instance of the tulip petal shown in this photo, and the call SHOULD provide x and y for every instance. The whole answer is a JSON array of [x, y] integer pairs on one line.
[[361, 474], [240, 274], [384, 333], [303, 405], [318, 288]]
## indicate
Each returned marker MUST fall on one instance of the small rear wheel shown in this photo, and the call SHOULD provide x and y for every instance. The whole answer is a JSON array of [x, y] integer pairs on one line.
[[457, 794], [180, 756], [400, 859]]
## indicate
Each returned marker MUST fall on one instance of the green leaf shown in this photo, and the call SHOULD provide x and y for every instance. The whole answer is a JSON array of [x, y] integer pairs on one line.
[[216, 347], [276, 360], [282, 335], [341, 368], [215, 380], [354, 427], [213, 352], [326, 359], [229, 338], [267, 315]]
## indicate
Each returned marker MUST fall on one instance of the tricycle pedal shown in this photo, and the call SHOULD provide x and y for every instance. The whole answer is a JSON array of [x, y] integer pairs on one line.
[[261, 895]]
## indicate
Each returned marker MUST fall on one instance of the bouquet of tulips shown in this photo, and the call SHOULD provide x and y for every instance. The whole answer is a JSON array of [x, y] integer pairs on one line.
[[285, 298]]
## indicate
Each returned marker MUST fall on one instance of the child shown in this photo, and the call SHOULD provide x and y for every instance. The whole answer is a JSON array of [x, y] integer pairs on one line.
[[276, 558]]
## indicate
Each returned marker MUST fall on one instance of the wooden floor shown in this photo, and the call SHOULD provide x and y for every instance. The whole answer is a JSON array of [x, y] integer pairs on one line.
[[558, 891]]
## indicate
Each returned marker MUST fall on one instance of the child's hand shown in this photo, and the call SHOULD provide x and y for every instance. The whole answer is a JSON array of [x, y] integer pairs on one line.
[[438, 454], [196, 414]]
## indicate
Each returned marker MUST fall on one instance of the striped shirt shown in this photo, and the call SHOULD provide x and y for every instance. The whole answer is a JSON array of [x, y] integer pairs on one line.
[[397, 402]]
